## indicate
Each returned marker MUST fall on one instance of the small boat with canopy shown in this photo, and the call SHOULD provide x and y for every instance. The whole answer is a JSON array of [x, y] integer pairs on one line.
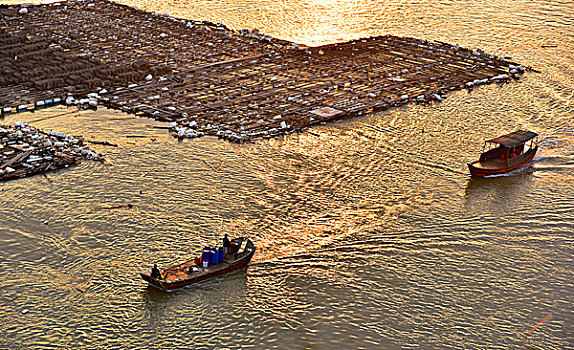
[[505, 153], [211, 263]]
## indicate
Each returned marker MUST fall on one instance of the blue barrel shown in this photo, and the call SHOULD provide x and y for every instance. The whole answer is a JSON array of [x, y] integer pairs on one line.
[[206, 255], [221, 254], [214, 257]]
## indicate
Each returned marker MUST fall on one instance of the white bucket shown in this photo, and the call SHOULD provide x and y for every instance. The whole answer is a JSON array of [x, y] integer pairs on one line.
[[205, 263]]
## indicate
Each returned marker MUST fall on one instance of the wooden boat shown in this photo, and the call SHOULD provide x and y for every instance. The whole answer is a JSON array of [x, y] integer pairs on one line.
[[505, 153], [193, 271]]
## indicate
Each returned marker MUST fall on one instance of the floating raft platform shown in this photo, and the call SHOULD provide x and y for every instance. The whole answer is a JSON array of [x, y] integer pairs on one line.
[[207, 79], [27, 151]]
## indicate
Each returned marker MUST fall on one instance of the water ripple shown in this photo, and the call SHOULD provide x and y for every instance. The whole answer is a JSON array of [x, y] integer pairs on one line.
[[370, 232]]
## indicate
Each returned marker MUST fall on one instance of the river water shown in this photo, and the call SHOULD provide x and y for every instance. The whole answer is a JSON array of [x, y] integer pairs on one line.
[[370, 232]]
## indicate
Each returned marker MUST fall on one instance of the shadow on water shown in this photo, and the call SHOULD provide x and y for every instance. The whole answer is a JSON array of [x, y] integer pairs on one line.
[[508, 183], [232, 284], [197, 304], [498, 194]]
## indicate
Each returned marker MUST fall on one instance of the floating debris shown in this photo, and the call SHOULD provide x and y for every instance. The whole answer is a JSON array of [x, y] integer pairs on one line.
[[211, 80], [27, 151], [538, 324], [104, 143]]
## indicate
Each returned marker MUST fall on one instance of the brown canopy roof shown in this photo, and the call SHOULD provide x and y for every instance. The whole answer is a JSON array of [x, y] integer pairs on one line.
[[514, 138]]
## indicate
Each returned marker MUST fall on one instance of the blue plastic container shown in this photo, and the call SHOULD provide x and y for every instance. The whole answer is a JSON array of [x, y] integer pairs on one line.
[[214, 257], [221, 254], [206, 255]]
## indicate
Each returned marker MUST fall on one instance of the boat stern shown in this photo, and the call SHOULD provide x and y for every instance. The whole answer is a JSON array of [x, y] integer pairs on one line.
[[153, 282]]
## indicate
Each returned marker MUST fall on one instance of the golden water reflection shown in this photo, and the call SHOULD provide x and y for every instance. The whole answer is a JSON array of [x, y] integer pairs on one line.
[[371, 233]]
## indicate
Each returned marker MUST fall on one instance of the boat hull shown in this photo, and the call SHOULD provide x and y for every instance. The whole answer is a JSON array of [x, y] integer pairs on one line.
[[219, 270], [481, 171]]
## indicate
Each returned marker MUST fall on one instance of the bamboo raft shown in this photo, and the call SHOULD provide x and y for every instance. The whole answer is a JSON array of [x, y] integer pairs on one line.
[[209, 80]]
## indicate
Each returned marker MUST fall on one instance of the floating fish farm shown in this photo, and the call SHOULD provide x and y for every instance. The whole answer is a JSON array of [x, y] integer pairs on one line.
[[206, 79], [27, 151]]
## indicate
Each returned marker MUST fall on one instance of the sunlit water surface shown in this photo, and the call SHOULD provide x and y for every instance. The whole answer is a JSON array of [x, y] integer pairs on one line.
[[370, 232]]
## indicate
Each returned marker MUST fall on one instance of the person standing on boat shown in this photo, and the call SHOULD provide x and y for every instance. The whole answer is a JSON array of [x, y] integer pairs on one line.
[[225, 244], [155, 272]]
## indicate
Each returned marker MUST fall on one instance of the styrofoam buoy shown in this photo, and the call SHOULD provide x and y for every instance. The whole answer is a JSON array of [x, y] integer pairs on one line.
[[500, 77], [57, 134]]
